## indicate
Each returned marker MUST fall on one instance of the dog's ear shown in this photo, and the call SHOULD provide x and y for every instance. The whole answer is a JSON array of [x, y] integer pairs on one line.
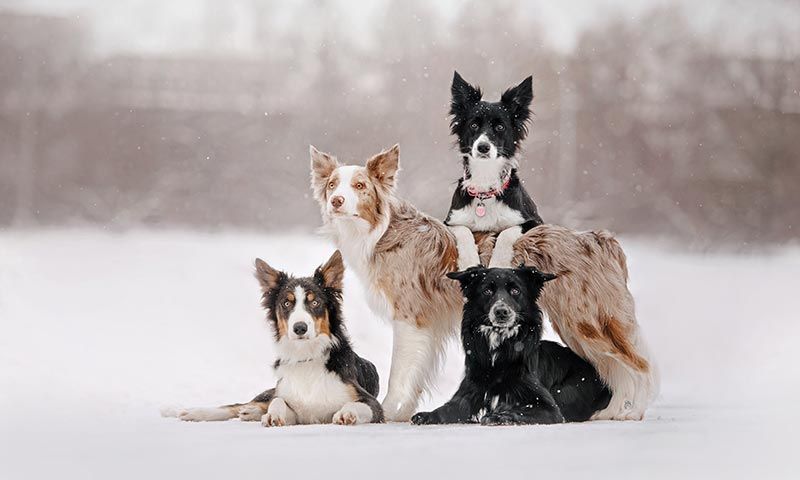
[[518, 100], [463, 95], [268, 277], [466, 277], [331, 274], [322, 166], [537, 276], [383, 167]]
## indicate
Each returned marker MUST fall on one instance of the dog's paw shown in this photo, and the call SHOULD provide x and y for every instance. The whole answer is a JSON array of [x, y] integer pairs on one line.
[[250, 413], [494, 419], [353, 413], [272, 420], [425, 418], [277, 414]]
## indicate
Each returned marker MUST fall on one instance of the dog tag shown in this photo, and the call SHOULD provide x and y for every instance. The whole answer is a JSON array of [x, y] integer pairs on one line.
[[480, 210]]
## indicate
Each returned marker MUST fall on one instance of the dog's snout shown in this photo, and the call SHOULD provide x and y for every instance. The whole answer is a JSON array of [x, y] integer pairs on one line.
[[337, 201], [300, 328], [502, 312], [484, 148]]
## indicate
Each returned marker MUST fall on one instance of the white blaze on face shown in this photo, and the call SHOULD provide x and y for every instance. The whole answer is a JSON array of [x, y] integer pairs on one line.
[[483, 139], [485, 170], [300, 315], [345, 190]]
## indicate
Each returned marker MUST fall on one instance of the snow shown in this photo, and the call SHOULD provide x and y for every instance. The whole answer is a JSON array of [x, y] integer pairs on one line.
[[98, 331]]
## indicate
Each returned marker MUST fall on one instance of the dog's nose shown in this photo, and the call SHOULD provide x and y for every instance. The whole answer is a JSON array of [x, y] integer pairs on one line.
[[502, 312], [300, 328], [337, 201], [484, 148]]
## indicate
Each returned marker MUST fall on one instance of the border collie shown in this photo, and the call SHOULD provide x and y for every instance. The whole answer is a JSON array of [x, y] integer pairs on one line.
[[490, 196], [511, 376], [401, 256], [320, 377]]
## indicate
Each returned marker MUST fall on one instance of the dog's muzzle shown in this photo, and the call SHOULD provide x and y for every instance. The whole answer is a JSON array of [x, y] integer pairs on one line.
[[502, 315]]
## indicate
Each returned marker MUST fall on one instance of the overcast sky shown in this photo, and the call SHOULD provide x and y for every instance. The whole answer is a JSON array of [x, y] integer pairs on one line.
[[157, 26]]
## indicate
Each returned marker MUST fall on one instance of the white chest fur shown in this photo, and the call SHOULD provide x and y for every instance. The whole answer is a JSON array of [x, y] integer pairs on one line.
[[312, 391], [498, 216]]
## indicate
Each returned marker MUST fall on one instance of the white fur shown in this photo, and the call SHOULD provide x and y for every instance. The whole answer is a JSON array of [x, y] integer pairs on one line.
[[353, 413], [250, 413], [498, 216], [633, 390], [416, 351], [345, 190], [294, 351], [415, 355], [503, 252], [300, 315], [356, 241], [312, 391], [497, 335], [467, 250], [213, 414], [278, 414], [492, 155]]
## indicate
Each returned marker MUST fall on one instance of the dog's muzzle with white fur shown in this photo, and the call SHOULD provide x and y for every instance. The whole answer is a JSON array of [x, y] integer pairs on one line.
[[501, 315]]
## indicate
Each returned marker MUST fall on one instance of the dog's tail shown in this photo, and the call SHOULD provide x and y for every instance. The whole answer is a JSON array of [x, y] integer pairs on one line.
[[612, 249]]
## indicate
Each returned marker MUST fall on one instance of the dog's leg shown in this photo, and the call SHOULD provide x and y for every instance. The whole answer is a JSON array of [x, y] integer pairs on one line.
[[540, 409], [253, 411], [503, 253], [213, 414], [279, 414], [460, 409], [414, 359], [467, 250]]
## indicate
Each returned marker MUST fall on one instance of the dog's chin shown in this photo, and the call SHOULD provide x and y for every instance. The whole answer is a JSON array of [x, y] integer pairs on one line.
[[343, 215]]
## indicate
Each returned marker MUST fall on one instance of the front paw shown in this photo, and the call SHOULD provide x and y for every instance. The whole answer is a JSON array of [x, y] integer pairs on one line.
[[272, 420], [352, 413], [494, 419], [426, 418]]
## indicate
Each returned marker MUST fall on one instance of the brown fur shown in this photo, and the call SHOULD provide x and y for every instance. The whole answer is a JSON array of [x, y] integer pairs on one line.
[[589, 305], [322, 325]]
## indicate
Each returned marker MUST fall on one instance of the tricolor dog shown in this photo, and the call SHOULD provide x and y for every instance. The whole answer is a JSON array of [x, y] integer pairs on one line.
[[320, 377], [402, 257], [511, 376]]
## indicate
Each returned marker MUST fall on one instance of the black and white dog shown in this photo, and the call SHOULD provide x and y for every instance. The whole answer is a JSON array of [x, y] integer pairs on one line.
[[489, 196], [320, 377], [511, 376]]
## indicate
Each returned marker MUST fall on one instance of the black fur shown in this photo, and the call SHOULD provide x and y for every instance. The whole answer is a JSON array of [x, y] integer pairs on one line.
[[351, 368], [534, 381], [505, 123]]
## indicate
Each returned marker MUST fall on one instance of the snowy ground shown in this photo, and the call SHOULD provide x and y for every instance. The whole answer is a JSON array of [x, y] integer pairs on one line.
[[99, 330]]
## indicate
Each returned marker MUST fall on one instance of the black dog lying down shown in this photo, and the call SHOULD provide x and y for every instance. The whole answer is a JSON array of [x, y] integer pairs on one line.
[[511, 375]]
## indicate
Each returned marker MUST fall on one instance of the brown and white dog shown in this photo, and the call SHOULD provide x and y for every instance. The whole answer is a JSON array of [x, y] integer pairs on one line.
[[401, 255]]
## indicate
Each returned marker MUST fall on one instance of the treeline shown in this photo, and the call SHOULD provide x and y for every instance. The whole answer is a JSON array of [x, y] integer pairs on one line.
[[645, 128]]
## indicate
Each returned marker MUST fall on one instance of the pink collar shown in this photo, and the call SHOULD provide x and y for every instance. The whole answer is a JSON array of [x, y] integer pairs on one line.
[[483, 195]]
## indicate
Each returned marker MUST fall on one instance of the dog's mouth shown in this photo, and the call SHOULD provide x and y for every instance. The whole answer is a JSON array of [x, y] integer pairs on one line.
[[340, 214]]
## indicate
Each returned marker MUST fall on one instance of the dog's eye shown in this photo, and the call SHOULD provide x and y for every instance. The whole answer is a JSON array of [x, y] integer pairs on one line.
[[487, 292], [499, 127], [331, 185], [315, 303], [514, 291], [359, 186], [287, 304], [474, 126]]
